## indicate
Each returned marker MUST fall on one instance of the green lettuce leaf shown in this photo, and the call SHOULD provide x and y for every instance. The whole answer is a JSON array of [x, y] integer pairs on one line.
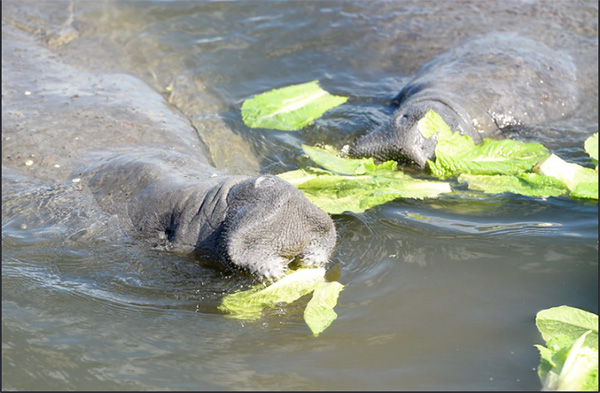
[[591, 147], [336, 194], [319, 313], [457, 154], [497, 166], [250, 304], [530, 184], [432, 124], [328, 159], [357, 184], [570, 359], [568, 365], [569, 321], [586, 190], [289, 108], [581, 181]]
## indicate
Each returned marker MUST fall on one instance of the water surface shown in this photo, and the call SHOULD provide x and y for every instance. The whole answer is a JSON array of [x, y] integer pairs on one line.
[[439, 294]]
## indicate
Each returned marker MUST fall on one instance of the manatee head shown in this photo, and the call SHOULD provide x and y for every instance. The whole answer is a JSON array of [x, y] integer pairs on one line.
[[269, 223], [399, 139]]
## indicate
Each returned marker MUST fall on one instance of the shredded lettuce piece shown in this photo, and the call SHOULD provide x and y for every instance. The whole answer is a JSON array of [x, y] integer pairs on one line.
[[328, 159], [570, 321], [581, 181], [357, 184], [498, 166], [290, 108], [570, 359], [319, 313], [591, 148], [530, 184], [336, 194], [250, 304], [431, 124], [457, 154]]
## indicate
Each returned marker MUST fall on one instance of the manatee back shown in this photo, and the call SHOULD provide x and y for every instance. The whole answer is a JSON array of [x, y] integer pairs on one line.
[[500, 80]]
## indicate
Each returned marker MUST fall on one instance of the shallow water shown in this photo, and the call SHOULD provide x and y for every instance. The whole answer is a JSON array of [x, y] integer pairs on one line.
[[439, 294]]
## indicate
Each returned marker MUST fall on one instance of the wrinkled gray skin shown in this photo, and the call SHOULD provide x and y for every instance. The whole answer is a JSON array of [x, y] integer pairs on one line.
[[482, 88], [259, 223], [141, 161]]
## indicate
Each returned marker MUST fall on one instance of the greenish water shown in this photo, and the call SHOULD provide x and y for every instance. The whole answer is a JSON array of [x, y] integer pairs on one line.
[[439, 294]]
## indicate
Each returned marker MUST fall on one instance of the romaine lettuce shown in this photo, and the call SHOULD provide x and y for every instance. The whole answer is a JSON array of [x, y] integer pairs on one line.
[[432, 124], [289, 108], [581, 181], [530, 184], [570, 359], [591, 147], [498, 166], [318, 315], [357, 184], [457, 154], [249, 304]]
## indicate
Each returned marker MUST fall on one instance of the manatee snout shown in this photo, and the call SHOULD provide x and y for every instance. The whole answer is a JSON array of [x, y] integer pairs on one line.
[[398, 139], [270, 223]]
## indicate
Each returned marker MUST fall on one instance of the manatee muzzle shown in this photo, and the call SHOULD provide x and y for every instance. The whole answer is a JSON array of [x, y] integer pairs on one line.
[[270, 223]]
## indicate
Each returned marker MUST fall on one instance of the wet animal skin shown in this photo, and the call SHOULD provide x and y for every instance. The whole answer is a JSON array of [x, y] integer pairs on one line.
[[482, 88], [144, 164]]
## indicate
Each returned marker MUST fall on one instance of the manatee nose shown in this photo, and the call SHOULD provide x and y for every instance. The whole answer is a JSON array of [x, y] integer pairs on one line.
[[388, 142], [418, 156], [378, 144], [366, 146]]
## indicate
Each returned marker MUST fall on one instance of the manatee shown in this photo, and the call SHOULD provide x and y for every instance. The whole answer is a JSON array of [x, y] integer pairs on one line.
[[139, 160], [487, 87], [259, 223]]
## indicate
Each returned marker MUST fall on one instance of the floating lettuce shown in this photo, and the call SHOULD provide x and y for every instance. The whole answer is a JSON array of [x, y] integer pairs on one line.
[[289, 108], [250, 304], [357, 184], [329, 159], [494, 166], [497, 166], [530, 184], [591, 147], [319, 312], [582, 182], [570, 359], [457, 154]]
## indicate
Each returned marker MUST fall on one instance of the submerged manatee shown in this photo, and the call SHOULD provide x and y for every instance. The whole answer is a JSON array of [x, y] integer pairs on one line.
[[480, 88], [258, 223], [141, 162]]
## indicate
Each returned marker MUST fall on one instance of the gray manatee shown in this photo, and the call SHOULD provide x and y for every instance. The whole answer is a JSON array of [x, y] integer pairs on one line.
[[140, 160], [259, 224], [481, 88]]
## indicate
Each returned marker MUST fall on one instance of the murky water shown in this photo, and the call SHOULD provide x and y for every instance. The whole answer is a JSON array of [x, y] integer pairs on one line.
[[440, 294]]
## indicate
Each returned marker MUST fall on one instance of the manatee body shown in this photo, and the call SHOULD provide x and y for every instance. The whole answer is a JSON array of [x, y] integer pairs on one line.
[[259, 224], [140, 161], [481, 88]]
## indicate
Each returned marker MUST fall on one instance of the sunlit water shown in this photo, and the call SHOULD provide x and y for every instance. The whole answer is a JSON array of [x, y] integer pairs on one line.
[[439, 294]]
